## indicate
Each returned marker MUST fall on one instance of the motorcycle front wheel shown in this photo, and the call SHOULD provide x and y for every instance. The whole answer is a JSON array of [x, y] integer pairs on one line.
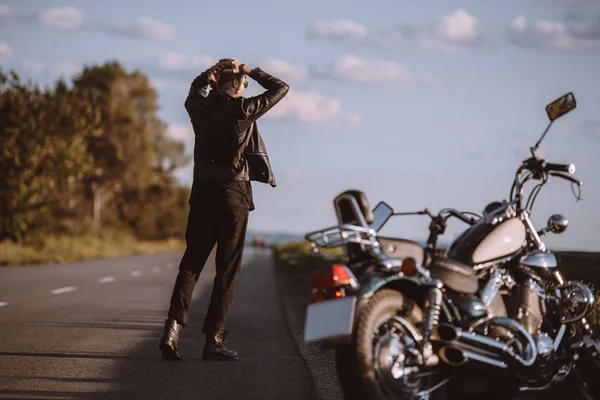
[[381, 360], [588, 367]]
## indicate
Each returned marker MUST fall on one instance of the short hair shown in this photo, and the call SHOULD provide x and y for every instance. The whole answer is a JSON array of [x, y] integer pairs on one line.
[[219, 80]]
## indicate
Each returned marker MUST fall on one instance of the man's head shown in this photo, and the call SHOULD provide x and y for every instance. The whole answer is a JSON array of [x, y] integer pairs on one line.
[[233, 84]]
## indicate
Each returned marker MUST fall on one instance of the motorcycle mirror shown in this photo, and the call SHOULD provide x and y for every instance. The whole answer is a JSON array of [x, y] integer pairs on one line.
[[555, 110], [561, 106], [557, 223], [381, 213]]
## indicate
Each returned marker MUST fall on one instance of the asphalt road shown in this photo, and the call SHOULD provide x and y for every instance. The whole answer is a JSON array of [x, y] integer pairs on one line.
[[91, 329]]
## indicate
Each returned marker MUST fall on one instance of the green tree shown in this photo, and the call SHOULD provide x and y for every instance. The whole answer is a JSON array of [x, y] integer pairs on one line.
[[44, 147], [134, 157], [90, 155]]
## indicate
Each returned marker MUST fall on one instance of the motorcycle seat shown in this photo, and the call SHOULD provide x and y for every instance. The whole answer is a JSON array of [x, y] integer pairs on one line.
[[456, 276]]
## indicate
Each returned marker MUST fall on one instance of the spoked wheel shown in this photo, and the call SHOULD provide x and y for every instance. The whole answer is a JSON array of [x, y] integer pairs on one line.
[[384, 360]]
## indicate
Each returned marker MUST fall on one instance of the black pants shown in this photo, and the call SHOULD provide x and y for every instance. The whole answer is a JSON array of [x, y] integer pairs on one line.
[[218, 215]]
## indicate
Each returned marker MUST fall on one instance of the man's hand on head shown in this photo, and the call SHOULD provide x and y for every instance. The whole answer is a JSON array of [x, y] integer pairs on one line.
[[234, 66]]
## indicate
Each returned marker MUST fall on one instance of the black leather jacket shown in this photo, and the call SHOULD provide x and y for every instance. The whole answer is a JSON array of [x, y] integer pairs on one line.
[[227, 142]]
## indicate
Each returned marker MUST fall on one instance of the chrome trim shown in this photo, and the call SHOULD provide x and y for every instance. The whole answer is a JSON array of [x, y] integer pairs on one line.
[[533, 285], [492, 287], [409, 327], [557, 223], [457, 336], [487, 264], [588, 295], [559, 277], [536, 238], [539, 259], [559, 337], [467, 355]]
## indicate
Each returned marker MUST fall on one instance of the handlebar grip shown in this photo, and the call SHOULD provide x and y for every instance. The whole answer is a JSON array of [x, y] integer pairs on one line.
[[568, 168]]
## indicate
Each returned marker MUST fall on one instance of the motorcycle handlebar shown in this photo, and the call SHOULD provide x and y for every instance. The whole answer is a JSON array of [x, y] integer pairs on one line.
[[567, 168], [461, 216]]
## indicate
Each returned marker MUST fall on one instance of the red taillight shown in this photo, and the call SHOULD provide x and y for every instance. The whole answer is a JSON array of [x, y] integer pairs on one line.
[[319, 295], [336, 275], [409, 267]]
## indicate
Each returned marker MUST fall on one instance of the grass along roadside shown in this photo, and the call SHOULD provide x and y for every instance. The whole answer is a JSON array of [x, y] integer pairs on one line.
[[296, 258], [56, 249]]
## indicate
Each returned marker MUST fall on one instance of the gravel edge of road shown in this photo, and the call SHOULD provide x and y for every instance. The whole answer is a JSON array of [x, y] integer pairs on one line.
[[293, 293]]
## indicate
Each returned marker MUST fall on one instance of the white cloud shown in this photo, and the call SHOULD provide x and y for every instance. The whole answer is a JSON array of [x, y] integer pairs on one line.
[[181, 131], [154, 29], [5, 11], [174, 61], [70, 18], [6, 51], [284, 70], [553, 36], [354, 69], [34, 68], [353, 119], [353, 34], [143, 27], [307, 107], [338, 31], [519, 23], [456, 31], [66, 18]]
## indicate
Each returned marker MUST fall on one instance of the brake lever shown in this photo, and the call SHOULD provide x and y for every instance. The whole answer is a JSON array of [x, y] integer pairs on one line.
[[573, 181], [567, 177]]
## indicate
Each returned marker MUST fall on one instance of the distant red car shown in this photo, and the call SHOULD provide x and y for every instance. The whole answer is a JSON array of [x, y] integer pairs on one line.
[[258, 242]]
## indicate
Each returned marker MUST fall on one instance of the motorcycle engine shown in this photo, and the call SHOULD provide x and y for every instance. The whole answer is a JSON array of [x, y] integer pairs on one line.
[[526, 307]]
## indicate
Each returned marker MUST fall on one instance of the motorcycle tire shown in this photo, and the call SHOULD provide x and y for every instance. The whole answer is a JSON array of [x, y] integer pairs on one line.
[[588, 367], [355, 362]]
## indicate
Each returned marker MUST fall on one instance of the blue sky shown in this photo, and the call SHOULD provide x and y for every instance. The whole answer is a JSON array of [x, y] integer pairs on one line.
[[421, 104]]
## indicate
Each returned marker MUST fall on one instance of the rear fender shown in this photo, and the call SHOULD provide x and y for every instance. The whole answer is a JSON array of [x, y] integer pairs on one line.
[[410, 287]]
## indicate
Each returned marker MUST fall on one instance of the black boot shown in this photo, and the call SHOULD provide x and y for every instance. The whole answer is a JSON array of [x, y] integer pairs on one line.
[[169, 342], [214, 349]]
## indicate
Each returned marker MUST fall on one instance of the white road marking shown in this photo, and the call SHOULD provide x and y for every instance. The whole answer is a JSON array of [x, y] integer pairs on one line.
[[135, 273], [106, 279], [155, 269], [3, 303], [62, 290], [169, 266]]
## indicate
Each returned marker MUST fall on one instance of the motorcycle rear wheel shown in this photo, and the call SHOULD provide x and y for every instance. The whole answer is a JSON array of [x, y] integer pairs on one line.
[[358, 361]]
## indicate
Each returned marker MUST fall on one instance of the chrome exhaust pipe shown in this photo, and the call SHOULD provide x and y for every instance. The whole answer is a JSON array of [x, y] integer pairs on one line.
[[455, 356], [459, 337], [452, 356]]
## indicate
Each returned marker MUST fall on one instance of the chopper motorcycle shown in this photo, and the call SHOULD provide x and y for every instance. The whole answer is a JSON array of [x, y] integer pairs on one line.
[[405, 321]]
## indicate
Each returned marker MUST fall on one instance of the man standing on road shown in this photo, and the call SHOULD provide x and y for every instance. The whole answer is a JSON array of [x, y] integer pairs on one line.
[[228, 154]]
